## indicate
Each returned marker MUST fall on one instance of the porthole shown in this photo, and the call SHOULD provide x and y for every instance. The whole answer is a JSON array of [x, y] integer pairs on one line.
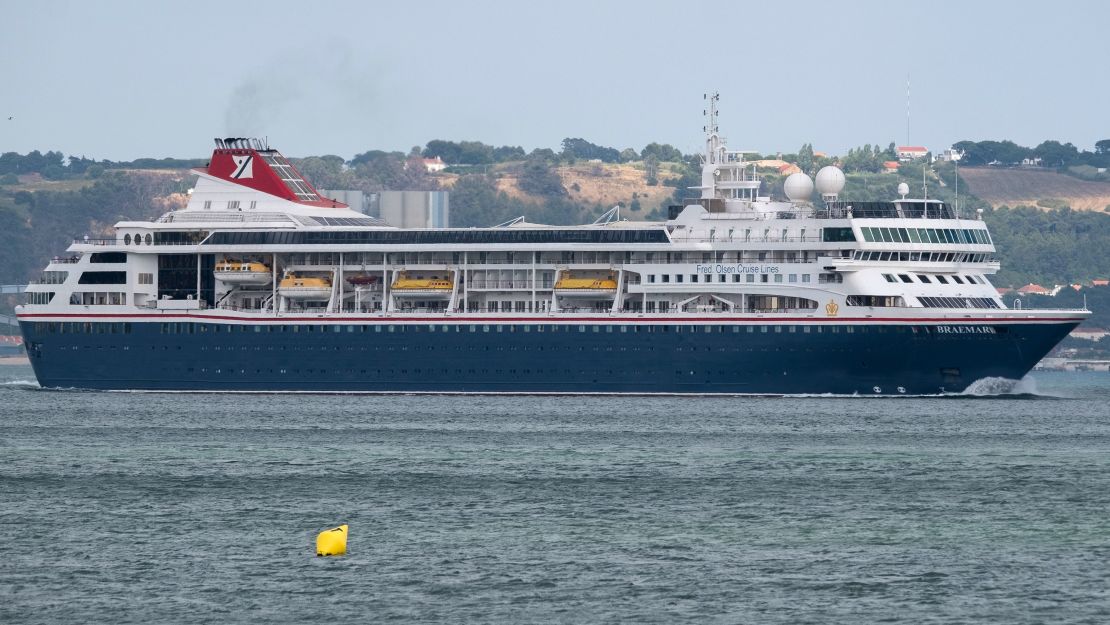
[[127, 239], [149, 239]]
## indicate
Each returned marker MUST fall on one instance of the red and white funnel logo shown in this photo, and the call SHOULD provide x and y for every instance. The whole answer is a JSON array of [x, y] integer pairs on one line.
[[243, 166]]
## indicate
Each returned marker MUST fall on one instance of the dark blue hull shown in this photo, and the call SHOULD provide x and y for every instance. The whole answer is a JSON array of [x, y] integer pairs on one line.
[[639, 357]]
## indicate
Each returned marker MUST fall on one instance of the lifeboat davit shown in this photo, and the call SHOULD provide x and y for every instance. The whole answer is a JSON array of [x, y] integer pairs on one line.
[[361, 279], [576, 286], [427, 288], [235, 272], [296, 287]]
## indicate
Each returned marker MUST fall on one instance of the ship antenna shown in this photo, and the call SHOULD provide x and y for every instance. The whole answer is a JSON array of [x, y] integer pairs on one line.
[[956, 165]]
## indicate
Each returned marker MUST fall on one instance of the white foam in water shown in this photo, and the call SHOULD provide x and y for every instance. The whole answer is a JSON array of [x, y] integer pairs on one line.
[[985, 387], [21, 383]]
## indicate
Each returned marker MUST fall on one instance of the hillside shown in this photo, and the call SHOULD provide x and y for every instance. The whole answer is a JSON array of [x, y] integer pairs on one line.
[[605, 184], [1014, 187]]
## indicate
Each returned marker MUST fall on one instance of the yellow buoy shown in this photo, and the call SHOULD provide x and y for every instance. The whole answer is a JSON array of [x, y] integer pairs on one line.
[[332, 542]]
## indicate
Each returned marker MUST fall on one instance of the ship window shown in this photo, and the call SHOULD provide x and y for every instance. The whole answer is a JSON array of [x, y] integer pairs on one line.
[[942, 280], [103, 277], [868, 235], [678, 278], [751, 277], [207, 204], [924, 279], [127, 239], [149, 239], [915, 235], [957, 280], [889, 277], [666, 278], [904, 278], [693, 277], [778, 277], [108, 257], [837, 235], [651, 278], [793, 277], [735, 277], [805, 277]]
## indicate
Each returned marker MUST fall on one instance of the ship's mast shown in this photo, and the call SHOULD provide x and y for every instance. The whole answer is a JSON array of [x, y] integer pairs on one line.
[[712, 146], [712, 139]]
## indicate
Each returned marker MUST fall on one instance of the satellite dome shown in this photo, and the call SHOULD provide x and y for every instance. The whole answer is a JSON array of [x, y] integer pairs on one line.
[[903, 189], [798, 187], [830, 180]]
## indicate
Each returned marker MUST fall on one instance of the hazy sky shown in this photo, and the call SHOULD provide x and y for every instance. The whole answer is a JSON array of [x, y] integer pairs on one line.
[[121, 80]]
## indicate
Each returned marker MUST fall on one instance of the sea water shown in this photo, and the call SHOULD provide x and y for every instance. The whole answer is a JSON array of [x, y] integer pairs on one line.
[[148, 507]]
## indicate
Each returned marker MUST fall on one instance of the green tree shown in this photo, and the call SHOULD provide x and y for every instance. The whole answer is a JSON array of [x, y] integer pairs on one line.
[[580, 148], [665, 152], [508, 153], [805, 158], [1056, 154], [537, 177]]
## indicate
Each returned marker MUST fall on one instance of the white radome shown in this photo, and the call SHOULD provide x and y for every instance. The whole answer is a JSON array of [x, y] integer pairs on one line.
[[830, 180], [903, 189], [797, 187]]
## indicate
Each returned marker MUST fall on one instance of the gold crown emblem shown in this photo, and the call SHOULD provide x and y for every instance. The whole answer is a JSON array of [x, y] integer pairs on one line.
[[831, 308]]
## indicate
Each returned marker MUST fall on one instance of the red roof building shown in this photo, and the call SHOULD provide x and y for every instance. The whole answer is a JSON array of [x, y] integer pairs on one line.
[[1033, 289], [911, 152]]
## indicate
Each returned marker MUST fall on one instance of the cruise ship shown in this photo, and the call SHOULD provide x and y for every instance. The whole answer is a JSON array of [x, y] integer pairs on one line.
[[261, 284]]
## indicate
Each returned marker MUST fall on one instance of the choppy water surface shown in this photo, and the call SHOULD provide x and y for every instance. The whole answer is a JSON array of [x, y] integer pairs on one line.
[[118, 507]]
